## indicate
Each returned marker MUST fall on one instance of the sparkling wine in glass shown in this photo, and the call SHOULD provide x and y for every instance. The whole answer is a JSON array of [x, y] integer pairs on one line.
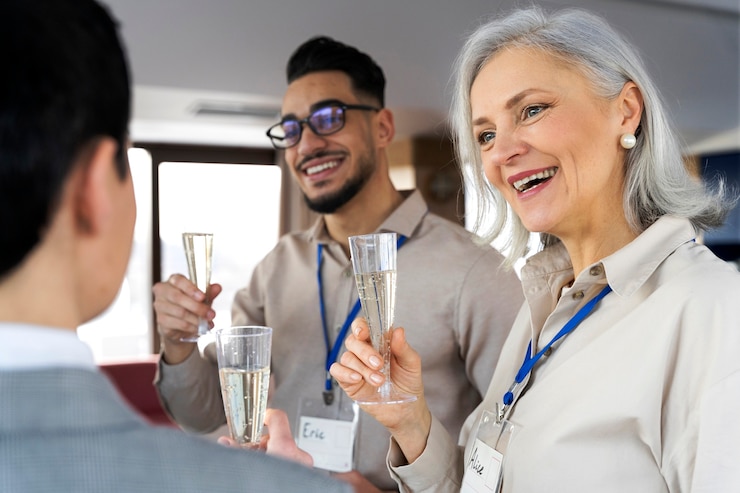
[[199, 256], [374, 264], [243, 354]]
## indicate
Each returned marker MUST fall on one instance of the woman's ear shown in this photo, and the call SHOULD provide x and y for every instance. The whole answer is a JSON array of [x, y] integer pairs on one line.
[[93, 199], [630, 106]]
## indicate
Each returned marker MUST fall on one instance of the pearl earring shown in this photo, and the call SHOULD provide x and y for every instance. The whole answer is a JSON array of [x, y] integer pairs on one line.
[[628, 141]]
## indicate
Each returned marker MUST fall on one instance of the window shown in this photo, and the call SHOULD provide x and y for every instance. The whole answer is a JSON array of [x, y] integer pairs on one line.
[[239, 203], [124, 329]]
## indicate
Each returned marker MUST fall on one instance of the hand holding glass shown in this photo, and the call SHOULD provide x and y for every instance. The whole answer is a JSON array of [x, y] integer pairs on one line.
[[244, 372], [374, 263], [199, 255]]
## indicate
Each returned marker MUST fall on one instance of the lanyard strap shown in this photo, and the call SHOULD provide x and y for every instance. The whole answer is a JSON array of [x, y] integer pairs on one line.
[[332, 352], [530, 361]]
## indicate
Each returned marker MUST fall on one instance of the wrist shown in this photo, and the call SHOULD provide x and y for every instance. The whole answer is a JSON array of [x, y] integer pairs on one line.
[[173, 354], [413, 434]]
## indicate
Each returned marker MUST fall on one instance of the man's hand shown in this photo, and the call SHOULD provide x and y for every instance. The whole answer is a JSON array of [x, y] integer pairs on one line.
[[278, 441], [178, 304]]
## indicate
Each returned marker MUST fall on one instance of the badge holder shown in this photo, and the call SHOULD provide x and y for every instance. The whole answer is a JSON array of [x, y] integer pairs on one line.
[[328, 432], [483, 467]]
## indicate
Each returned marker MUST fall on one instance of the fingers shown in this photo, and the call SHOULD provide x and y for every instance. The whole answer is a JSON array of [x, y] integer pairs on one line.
[[404, 354], [183, 284], [178, 305], [213, 291], [361, 329], [357, 367], [280, 442], [277, 422], [358, 343], [227, 441]]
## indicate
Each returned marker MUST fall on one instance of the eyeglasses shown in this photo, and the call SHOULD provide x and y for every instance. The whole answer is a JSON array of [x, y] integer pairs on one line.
[[326, 120]]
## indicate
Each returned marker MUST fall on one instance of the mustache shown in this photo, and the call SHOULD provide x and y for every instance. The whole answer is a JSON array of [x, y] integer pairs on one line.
[[317, 155]]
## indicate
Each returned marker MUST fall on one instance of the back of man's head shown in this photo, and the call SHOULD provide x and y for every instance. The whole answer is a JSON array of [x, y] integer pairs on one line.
[[65, 82], [321, 54]]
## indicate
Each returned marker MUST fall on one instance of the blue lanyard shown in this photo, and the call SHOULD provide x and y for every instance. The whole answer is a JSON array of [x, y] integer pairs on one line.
[[530, 361], [333, 352]]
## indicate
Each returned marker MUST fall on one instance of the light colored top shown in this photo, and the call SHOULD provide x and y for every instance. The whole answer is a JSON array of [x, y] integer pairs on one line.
[[456, 305], [644, 395], [26, 347]]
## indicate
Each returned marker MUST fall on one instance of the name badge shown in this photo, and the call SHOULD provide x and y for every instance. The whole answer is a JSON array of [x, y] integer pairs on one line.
[[482, 470], [328, 432], [330, 442]]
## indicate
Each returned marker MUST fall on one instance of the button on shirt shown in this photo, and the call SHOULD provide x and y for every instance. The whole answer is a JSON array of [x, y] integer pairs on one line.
[[643, 396]]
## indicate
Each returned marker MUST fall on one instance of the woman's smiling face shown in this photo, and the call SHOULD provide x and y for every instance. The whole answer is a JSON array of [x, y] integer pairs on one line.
[[548, 143]]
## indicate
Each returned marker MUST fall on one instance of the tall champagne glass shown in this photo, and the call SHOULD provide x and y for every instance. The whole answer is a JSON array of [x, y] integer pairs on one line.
[[374, 264], [199, 255], [243, 354]]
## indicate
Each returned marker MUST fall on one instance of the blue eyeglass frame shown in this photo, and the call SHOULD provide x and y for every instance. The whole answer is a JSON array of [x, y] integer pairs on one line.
[[279, 141]]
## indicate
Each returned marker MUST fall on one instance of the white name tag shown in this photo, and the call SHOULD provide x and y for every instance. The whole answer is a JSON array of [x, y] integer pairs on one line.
[[329, 441], [482, 470]]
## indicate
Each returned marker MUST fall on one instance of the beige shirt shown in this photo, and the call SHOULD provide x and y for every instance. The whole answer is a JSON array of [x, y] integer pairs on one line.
[[643, 396], [456, 305]]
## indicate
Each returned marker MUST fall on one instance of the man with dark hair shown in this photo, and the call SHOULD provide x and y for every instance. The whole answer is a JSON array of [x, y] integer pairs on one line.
[[67, 215], [455, 303]]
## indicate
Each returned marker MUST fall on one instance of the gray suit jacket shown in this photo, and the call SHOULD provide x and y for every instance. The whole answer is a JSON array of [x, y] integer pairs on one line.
[[67, 430]]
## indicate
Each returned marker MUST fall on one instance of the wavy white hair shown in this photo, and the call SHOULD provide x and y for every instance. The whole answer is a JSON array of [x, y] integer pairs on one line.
[[657, 180]]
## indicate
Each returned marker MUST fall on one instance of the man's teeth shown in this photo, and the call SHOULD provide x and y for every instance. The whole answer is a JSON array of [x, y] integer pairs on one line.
[[321, 167], [524, 183]]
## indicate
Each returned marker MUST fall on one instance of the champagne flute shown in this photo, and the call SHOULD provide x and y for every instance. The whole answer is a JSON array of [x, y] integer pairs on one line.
[[199, 256], [374, 264], [243, 354]]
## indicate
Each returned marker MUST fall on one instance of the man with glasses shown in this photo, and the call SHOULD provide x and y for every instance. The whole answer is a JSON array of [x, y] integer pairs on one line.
[[453, 300]]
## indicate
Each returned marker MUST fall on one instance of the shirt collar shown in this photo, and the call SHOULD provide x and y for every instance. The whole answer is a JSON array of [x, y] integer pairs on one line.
[[626, 270], [629, 268], [404, 220], [27, 347]]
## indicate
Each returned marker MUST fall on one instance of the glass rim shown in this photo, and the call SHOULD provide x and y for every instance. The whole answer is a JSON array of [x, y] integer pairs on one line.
[[261, 330], [370, 235]]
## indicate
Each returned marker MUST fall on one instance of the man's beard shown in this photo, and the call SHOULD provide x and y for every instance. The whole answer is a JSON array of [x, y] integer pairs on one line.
[[328, 204]]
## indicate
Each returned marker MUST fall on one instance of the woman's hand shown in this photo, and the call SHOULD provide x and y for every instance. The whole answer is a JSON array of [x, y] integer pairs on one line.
[[358, 373]]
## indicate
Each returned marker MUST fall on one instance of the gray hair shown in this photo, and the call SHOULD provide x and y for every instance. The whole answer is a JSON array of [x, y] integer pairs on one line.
[[657, 181]]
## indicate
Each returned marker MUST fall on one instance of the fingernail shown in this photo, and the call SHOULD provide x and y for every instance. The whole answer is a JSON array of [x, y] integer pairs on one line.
[[375, 361], [211, 314], [355, 377], [376, 378]]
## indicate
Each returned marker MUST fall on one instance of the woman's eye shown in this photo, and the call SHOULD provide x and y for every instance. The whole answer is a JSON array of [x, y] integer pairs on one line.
[[486, 137], [531, 111]]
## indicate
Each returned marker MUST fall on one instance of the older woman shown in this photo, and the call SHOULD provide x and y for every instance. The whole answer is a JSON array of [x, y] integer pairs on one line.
[[621, 372]]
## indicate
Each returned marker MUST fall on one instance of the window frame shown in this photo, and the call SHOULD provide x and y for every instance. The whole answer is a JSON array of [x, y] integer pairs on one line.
[[173, 153]]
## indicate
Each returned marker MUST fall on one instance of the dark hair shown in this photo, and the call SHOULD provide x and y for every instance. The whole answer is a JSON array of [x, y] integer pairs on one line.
[[321, 53], [65, 83]]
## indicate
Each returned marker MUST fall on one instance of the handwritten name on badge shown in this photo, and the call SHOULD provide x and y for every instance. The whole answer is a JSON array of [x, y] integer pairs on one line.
[[330, 442], [310, 430], [482, 470]]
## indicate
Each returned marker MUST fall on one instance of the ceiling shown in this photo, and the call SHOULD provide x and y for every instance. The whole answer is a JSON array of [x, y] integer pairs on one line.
[[185, 53]]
